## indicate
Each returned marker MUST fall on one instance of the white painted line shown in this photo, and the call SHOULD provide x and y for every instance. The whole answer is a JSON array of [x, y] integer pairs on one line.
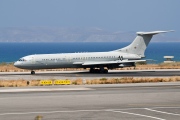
[[103, 110], [142, 108], [166, 107], [22, 113], [48, 112], [161, 112], [140, 115], [42, 90]]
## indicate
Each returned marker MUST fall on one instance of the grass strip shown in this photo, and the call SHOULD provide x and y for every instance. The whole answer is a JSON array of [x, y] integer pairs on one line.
[[79, 81]]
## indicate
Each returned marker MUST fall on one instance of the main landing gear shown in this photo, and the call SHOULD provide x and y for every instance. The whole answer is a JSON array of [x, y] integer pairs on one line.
[[32, 72], [92, 70]]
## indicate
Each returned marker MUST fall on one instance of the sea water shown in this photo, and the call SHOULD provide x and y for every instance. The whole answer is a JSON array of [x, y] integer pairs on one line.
[[10, 52]]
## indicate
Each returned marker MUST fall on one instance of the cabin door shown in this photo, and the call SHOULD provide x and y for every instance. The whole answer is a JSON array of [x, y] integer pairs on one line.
[[33, 60]]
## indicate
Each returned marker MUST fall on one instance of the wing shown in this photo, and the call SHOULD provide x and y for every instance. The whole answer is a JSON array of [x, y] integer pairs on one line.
[[107, 62]]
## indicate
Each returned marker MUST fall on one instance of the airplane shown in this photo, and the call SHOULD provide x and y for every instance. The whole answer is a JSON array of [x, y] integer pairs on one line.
[[98, 62]]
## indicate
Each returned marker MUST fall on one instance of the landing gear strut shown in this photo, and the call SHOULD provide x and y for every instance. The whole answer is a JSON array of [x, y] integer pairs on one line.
[[92, 70], [134, 66], [32, 72]]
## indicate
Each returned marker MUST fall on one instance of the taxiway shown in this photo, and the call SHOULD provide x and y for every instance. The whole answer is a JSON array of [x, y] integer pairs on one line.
[[86, 75], [143, 101]]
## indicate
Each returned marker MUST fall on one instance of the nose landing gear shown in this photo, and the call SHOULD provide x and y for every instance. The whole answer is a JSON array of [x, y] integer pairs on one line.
[[32, 72]]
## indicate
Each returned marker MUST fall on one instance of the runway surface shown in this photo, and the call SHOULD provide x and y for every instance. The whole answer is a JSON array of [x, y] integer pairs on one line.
[[86, 75], [143, 101]]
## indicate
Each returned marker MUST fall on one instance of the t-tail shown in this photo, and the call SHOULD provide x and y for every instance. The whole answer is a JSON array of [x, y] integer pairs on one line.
[[140, 43]]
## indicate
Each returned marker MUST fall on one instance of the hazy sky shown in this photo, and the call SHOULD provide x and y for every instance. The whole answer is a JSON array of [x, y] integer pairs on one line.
[[115, 15]]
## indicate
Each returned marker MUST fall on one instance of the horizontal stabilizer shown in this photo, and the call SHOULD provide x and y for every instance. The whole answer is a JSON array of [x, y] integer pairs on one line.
[[153, 32]]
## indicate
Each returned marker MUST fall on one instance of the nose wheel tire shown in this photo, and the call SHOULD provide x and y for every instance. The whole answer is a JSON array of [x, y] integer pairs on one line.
[[32, 72]]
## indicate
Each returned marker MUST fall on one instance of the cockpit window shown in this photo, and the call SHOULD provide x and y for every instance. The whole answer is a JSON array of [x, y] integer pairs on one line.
[[21, 59]]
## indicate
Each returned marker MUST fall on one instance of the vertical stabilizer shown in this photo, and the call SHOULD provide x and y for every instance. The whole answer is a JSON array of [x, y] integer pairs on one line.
[[140, 43]]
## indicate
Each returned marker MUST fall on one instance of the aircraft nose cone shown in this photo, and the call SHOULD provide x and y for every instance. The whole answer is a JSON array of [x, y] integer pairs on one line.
[[16, 64]]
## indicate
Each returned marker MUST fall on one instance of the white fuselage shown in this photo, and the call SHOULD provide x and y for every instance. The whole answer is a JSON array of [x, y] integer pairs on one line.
[[70, 60]]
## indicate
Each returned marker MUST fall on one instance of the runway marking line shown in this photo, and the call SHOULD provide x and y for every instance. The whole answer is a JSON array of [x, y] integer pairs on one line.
[[145, 108], [42, 90], [165, 107], [80, 111], [140, 115], [103, 110], [162, 112], [2, 114]]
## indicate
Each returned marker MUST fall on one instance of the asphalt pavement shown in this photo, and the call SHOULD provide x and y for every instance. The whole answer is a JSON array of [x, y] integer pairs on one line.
[[86, 75], [142, 101]]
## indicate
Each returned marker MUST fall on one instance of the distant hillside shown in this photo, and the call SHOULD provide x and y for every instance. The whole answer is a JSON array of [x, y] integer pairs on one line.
[[45, 34]]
